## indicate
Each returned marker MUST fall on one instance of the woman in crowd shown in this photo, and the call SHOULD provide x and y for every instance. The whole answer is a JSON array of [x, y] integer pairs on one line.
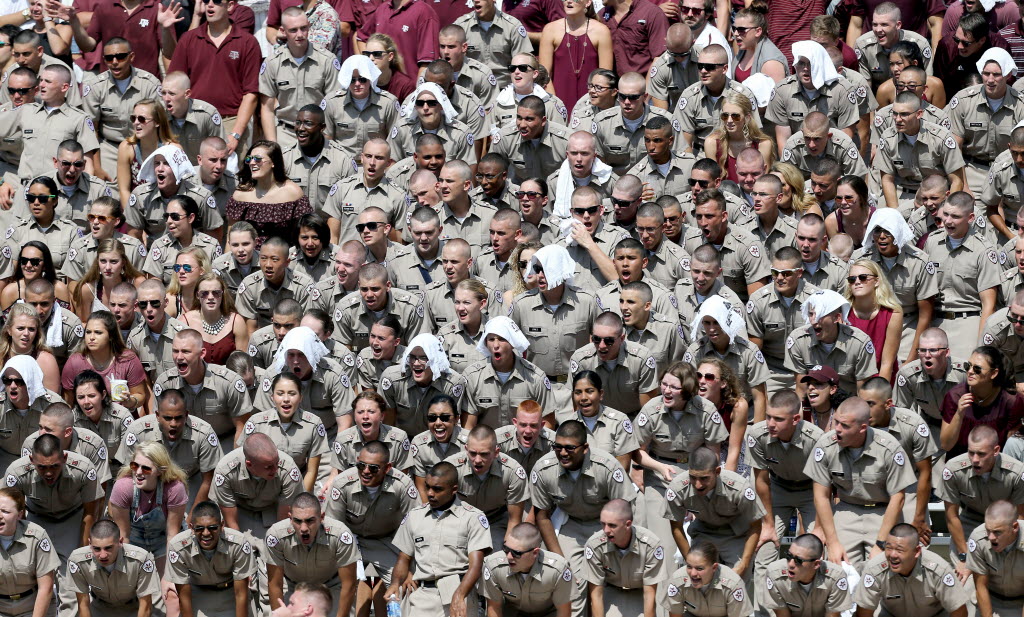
[[988, 397], [266, 197], [853, 210], [22, 335], [522, 281], [222, 328], [823, 397], [795, 201], [470, 300], [314, 256], [877, 312], [27, 559], [393, 74], [756, 53], [34, 262], [904, 54], [572, 47], [705, 583], [604, 424], [110, 268], [190, 266], [736, 131], [602, 90], [150, 130], [102, 350], [525, 81], [95, 410], [717, 383]]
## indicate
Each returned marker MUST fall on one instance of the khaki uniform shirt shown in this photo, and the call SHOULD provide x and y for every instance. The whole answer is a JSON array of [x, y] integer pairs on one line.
[[471, 110], [71, 331], [913, 434], [222, 398], [504, 484], [30, 556], [783, 233], [509, 444], [231, 272], [319, 269], [963, 272], [772, 320], [42, 132], [369, 370], [726, 595], [839, 146], [1004, 569], [16, 427], [1005, 186], [499, 275], [619, 146], [474, 228], [328, 292], [554, 335], [77, 486], [547, 585], [669, 77], [665, 339], [458, 344], [411, 273], [83, 442], [642, 564], [155, 355], [256, 299], [110, 428], [164, 252], [829, 272], [232, 559], [785, 465], [222, 190], [696, 112], [746, 361], [600, 479], [57, 237], [672, 435], [672, 178], [974, 493], [350, 196], [612, 431], [669, 263], [496, 46], [350, 442], [352, 320], [372, 515], [133, 576], [911, 276], [931, 589], [917, 391], [197, 449], [503, 111], [494, 403], [350, 128], [295, 85], [934, 152], [427, 451], [829, 592], [853, 356], [475, 76], [234, 487], [410, 402], [459, 141], [82, 253], [200, 121], [986, 133], [873, 59], [732, 505], [536, 158], [744, 260], [884, 124], [333, 548], [304, 438], [790, 104], [73, 204], [318, 177], [690, 301], [881, 470], [635, 372], [147, 205], [440, 543], [328, 393], [109, 108], [999, 332], [587, 273]]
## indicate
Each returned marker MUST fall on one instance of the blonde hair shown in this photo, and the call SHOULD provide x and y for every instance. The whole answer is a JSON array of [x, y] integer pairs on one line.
[[473, 286], [227, 305], [160, 122], [92, 276], [518, 283], [794, 179], [397, 62], [884, 296], [174, 288], [752, 133], [156, 452], [21, 309]]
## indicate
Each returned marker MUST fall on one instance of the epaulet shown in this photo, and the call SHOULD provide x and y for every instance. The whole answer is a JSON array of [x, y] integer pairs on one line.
[[82, 554], [186, 537], [558, 130], [252, 278], [349, 476], [353, 299], [548, 460]]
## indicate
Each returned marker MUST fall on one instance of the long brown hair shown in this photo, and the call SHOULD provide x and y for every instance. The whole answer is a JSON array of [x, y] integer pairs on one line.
[[21, 309], [92, 275], [161, 122]]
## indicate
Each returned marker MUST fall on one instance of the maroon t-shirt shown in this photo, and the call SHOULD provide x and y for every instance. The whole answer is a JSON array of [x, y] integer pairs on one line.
[[638, 38], [534, 14], [915, 13], [401, 85], [241, 16], [789, 21], [849, 56], [140, 28], [1004, 415], [220, 76], [91, 60], [414, 28], [1002, 14], [450, 10]]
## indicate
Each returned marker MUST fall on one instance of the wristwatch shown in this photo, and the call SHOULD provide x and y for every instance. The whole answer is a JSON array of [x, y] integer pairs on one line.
[[962, 557], [26, 14], [880, 544], [237, 136]]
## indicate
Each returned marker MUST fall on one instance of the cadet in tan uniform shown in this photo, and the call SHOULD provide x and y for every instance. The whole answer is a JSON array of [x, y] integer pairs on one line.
[[58, 419], [94, 411], [313, 162], [568, 484], [496, 45], [297, 73], [105, 215], [182, 215], [629, 370], [803, 584], [360, 110], [166, 173], [78, 191], [430, 111], [445, 539], [351, 195], [620, 130], [192, 120], [664, 171], [744, 259], [1003, 192], [356, 313], [921, 385], [442, 439], [29, 560], [908, 579], [262, 290], [384, 350], [873, 47], [535, 145], [704, 281], [870, 485], [240, 256], [367, 417], [816, 139], [664, 336], [994, 556], [113, 578], [913, 151], [461, 217], [523, 579], [674, 70], [770, 226], [590, 240], [468, 72], [981, 131], [581, 168], [21, 406], [310, 548], [632, 262], [409, 385], [263, 343], [526, 439], [703, 587], [695, 115], [217, 587]]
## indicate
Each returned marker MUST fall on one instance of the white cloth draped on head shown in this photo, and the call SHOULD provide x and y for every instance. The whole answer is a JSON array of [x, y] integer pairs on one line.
[[29, 370], [566, 186], [366, 69], [450, 115], [762, 86], [437, 359], [890, 220], [557, 264], [175, 157], [301, 339], [507, 329], [824, 302], [823, 71], [722, 311], [508, 97], [1001, 57]]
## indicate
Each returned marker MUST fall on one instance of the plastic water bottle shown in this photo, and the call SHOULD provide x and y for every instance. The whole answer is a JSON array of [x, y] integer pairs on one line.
[[394, 608]]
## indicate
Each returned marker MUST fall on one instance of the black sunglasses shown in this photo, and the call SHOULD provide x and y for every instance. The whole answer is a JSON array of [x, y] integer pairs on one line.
[[522, 264], [142, 304], [120, 56], [210, 528], [570, 449], [75, 164], [513, 552], [174, 216], [360, 80], [608, 340], [361, 466], [444, 417], [538, 269], [976, 369], [530, 194], [31, 197], [592, 210], [372, 226], [374, 54], [35, 262], [15, 380], [523, 68], [621, 203], [791, 557], [428, 102], [1015, 319], [709, 66], [707, 376], [19, 91], [629, 97], [860, 277], [703, 183]]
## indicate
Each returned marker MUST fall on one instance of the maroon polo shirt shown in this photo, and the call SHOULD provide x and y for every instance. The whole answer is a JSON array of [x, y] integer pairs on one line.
[[1004, 415], [357, 12], [638, 38], [220, 76], [279, 6], [915, 13], [789, 21], [1002, 14], [88, 61], [241, 16], [450, 10], [401, 85], [534, 14], [414, 28], [140, 28]]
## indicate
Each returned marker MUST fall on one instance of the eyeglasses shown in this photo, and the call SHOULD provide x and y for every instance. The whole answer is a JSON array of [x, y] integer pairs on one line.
[[142, 304], [136, 468], [443, 417], [709, 66], [483, 176], [513, 552], [707, 376], [557, 447], [592, 210], [522, 68], [420, 359], [598, 89], [1017, 319], [791, 557], [174, 216], [75, 164], [527, 194], [206, 293], [376, 55], [372, 226], [930, 351], [186, 267], [99, 218], [910, 86], [431, 103], [630, 97], [964, 42], [977, 370], [361, 466], [35, 262], [254, 158], [119, 57], [13, 380], [32, 197], [607, 340], [703, 183], [360, 80], [139, 119], [694, 10], [210, 528], [863, 278], [735, 117], [785, 272], [19, 91]]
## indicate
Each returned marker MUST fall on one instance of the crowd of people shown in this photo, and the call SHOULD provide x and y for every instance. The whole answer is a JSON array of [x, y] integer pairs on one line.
[[654, 308]]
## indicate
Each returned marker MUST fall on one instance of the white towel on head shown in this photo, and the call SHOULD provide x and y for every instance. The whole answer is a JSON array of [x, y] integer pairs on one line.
[[989, 4], [450, 115], [360, 63], [29, 370], [1001, 57], [301, 339], [891, 221], [566, 186], [55, 331], [557, 264], [437, 359], [175, 157], [762, 86], [823, 71], [722, 311], [507, 96], [507, 329], [824, 302]]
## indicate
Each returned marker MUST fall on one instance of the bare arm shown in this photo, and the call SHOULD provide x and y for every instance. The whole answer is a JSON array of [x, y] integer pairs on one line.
[[596, 594], [45, 595], [547, 531], [984, 600], [546, 50], [680, 537], [853, 31], [889, 191], [230, 517], [935, 29], [469, 580], [120, 516], [275, 584], [347, 575], [185, 600], [988, 306], [924, 491], [826, 523], [268, 117], [893, 332], [145, 606]]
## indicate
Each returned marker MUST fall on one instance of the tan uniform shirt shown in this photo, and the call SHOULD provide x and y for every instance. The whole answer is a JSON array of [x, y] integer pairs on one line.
[[16, 427], [147, 205], [840, 147], [110, 428], [372, 515], [986, 133], [726, 595], [772, 320], [744, 260], [77, 486], [304, 438], [256, 299], [785, 465], [459, 345], [619, 144], [601, 479], [222, 398], [327, 394], [881, 470], [665, 339], [673, 435], [84, 442], [427, 451], [350, 442], [917, 391], [234, 487], [459, 141], [42, 132], [200, 121], [350, 128], [537, 158], [873, 59], [197, 449], [474, 228], [555, 334], [109, 108], [671, 178], [931, 589], [548, 584], [352, 320], [696, 111], [829, 272], [1004, 569], [133, 576], [410, 402], [853, 356], [790, 104], [82, 253], [635, 372], [642, 564], [963, 272], [369, 370], [163, 253], [829, 592], [440, 543], [509, 444], [910, 276], [669, 77], [934, 152], [974, 493], [351, 195], [155, 355], [730, 507], [496, 46], [57, 237], [318, 177], [232, 560], [504, 484], [495, 403], [295, 85], [333, 548], [73, 203]]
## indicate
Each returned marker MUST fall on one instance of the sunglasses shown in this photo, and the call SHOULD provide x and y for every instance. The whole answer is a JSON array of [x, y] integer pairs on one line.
[[210, 528], [977, 370], [707, 376], [186, 267], [522, 68], [443, 417], [709, 66], [621, 203], [964, 42], [522, 264], [372, 226], [35, 262], [860, 277], [120, 56], [361, 466], [741, 30], [99, 218], [592, 210], [142, 304], [607, 340], [12, 380], [538, 269], [735, 117], [703, 183], [929, 351], [528, 194], [360, 80], [207, 293], [19, 91], [1017, 319], [791, 557], [376, 55], [174, 216], [32, 197], [255, 158], [788, 272], [139, 119], [846, 198], [135, 467], [513, 552], [691, 10], [75, 164], [630, 97], [560, 448]]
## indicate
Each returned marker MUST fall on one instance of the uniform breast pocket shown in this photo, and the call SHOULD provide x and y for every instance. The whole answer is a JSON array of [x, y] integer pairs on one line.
[[372, 127], [593, 495], [345, 129], [872, 479], [540, 343], [319, 399], [455, 538]]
